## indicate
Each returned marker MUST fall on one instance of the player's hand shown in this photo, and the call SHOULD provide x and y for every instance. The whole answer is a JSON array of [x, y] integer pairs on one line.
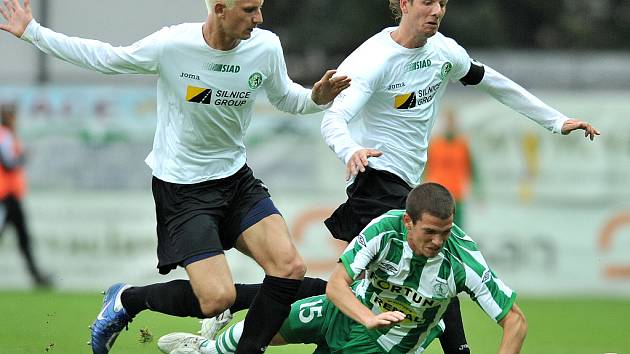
[[328, 87], [17, 17], [574, 124], [359, 161], [385, 319]]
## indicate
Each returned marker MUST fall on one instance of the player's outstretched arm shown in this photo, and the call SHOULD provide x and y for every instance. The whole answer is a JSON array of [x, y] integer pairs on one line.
[[519, 99], [140, 58], [575, 124], [328, 87], [17, 17], [514, 331]]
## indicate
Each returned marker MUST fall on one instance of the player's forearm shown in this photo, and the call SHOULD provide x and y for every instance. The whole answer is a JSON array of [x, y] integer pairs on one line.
[[296, 100], [89, 54], [516, 97], [514, 332], [336, 134], [512, 341], [342, 296]]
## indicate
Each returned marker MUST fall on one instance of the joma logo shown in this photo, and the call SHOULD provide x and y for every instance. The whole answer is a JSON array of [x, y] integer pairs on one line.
[[189, 76]]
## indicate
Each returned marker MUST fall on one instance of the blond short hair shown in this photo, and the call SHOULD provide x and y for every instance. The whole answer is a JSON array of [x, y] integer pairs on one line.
[[210, 3]]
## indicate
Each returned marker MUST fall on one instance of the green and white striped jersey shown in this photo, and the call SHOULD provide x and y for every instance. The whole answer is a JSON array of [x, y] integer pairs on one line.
[[420, 287]]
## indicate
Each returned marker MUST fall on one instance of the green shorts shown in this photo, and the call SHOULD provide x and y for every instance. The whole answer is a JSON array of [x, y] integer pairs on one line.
[[315, 320]]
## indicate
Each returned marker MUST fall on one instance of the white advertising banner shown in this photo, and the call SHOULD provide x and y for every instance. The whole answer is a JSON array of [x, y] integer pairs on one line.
[[87, 241]]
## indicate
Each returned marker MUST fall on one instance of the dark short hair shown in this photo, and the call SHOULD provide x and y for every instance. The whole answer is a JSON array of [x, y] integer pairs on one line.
[[431, 198]]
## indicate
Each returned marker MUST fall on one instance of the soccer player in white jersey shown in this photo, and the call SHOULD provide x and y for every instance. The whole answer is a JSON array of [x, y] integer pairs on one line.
[[415, 261], [207, 199], [380, 126]]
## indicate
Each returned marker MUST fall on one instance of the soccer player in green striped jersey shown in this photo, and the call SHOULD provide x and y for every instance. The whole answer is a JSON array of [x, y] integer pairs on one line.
[[415, 261]]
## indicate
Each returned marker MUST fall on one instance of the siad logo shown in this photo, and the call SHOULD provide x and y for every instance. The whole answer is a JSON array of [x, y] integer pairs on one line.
[[222, 68], [417, 65]]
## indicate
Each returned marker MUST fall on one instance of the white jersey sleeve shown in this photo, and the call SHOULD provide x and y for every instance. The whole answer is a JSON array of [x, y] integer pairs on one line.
[[505, 90], [516, 97], [334, 127], [473, 276], [282, 92], [348, 104], [362, 250], [459, 57], [141, 57]]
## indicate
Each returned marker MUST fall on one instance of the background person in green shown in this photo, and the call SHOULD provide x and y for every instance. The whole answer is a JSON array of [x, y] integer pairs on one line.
[[415, 260]]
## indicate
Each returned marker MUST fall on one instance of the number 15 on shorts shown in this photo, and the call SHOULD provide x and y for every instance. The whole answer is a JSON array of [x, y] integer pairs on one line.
[[310, 310]]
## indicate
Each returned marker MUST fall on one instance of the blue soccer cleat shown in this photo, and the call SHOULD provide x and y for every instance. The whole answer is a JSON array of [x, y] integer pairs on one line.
[[110, 321]]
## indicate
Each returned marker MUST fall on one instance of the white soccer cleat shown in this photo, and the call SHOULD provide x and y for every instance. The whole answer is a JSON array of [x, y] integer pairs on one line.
[[210, 327], [181, 343]]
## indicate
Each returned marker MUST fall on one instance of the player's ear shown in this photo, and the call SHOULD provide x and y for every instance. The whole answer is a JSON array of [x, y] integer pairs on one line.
[[403, 6], [219, 9], [408, 222]]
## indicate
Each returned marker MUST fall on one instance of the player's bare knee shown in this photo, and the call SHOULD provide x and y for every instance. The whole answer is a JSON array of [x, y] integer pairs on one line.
[[213, 307], [214, 302], [295, 268], [298, 269], [291, 268]]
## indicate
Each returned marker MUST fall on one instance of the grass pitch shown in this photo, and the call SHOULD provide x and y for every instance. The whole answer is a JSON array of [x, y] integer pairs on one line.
[[57, 323]]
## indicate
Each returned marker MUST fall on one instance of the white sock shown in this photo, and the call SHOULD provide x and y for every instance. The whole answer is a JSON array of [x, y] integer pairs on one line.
[[226, 342]]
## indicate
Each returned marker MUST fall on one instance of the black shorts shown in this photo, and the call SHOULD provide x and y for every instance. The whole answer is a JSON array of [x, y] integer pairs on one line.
[[372, 193], [203, 218]]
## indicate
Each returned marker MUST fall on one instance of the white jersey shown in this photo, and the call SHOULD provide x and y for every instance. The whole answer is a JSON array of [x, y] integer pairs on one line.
[[204, 96], [394, 100]]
